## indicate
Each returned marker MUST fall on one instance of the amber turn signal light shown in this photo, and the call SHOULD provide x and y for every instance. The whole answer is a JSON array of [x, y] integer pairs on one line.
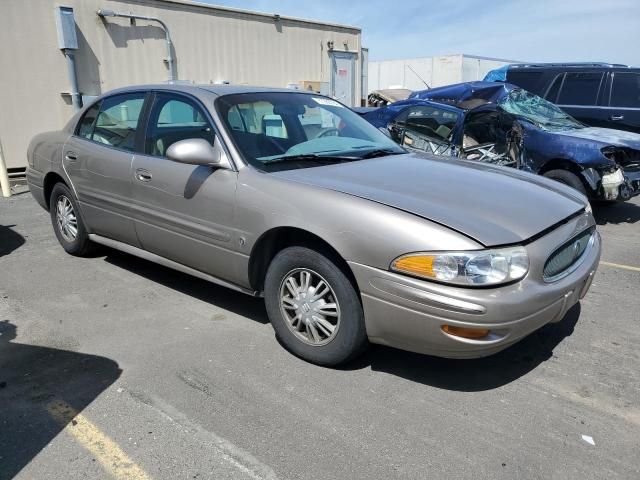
[[473, 333]]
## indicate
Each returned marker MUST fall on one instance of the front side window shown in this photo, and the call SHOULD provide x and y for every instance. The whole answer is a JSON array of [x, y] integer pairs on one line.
[[580, 89], [278, 130], [173, 119], [552, 93], [117, 121], [626, 90], [530, 80]]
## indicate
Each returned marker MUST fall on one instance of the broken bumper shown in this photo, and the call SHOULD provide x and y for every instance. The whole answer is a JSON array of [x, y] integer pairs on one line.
[[621, 184]]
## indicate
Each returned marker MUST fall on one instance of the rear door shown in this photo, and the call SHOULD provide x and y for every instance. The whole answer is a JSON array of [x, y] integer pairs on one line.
[[624, 101], [184, 212], [98, 160]]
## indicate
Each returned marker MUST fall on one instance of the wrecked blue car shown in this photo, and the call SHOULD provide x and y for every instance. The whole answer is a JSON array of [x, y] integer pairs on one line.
[[502, 124]]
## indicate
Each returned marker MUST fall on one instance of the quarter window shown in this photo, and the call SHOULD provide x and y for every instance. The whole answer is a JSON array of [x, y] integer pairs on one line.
[[173, 119], [626, 90], [580, 89]]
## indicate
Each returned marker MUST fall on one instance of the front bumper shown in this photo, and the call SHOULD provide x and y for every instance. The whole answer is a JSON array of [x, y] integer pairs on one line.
[[408, 313]]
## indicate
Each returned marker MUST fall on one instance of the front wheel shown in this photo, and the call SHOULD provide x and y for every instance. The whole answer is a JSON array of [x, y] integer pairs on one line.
[[568, 178], [313, 307]]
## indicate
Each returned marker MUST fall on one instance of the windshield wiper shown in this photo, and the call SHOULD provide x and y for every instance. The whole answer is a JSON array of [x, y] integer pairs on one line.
[[380, 152], [313, 157]]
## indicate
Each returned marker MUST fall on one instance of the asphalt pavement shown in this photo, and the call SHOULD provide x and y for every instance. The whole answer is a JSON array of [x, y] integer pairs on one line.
[[113, 367]]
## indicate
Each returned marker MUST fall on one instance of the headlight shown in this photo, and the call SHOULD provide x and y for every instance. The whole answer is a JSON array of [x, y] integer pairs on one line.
[[587, 208], [474, 268]]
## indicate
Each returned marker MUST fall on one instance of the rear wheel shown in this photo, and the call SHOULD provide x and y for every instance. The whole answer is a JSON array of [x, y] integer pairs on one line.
[[67, 224], [313, 307], [568, 178]]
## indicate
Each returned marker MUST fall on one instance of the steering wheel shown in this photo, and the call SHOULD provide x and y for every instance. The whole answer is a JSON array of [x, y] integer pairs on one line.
[[330, 132]]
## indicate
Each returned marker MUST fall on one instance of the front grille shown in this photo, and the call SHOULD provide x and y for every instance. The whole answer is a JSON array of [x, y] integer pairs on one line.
[[566, 256]]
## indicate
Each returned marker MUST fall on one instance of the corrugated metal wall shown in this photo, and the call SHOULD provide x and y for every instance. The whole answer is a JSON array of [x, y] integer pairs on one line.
[[211, 44]]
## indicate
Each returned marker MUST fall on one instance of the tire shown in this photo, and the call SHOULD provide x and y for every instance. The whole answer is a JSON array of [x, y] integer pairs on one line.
[[568, 178], [348, 337], [78, 244]]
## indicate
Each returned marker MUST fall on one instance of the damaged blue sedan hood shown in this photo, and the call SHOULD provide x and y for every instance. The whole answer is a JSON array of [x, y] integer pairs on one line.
[[605, 136]]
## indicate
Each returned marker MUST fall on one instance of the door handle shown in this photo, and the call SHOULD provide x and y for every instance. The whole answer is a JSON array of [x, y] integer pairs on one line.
[[615, 118], [143, 175], [71, 156]]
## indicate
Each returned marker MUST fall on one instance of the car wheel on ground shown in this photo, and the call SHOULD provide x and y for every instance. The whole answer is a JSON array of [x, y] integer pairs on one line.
[[313, 307], [568, 178], [67, 223]]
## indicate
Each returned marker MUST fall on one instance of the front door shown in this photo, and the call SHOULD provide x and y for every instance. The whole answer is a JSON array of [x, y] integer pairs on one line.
[[184, 212], [98, 160]]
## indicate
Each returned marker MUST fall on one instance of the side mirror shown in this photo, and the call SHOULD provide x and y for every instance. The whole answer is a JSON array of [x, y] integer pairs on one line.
[[193, 151]]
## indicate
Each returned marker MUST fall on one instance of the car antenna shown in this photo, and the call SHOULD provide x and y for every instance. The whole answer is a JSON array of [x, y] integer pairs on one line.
[[416, 74]]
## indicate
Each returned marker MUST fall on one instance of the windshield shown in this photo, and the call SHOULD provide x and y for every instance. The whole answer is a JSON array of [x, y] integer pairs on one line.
[[538, 110], [281, 130]]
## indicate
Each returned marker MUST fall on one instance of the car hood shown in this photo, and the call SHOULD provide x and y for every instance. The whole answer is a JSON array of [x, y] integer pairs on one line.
[[605, 136], [492, 205]]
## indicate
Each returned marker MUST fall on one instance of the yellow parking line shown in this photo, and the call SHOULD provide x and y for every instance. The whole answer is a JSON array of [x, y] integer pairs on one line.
[[624, 267], [106, 451]]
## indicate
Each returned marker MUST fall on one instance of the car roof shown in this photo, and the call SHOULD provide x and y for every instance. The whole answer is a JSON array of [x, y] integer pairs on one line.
[[218, 90], [580, 66], [467, 95]]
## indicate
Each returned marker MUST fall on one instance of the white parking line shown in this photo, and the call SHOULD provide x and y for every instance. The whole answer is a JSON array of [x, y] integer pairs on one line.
[[618, 265]]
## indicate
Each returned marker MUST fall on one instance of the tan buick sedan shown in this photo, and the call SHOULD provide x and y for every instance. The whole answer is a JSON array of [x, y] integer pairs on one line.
[[294, 197]]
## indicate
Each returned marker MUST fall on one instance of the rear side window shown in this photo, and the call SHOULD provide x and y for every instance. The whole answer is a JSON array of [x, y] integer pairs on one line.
[[580, 88], [114, 121], [626, 90], [174, 118]]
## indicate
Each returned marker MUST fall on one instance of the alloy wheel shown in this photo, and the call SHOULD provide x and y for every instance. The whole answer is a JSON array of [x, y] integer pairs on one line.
[[309, 307], [66, 218]]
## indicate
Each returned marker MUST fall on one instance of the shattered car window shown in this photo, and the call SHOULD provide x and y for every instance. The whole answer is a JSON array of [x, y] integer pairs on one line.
[[542, 113], [430, 121]]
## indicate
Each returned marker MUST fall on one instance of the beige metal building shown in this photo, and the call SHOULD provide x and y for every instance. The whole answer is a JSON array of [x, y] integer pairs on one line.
[[210, 45]]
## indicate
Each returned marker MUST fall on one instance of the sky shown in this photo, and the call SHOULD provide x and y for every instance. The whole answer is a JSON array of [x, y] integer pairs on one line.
[[521, 30]]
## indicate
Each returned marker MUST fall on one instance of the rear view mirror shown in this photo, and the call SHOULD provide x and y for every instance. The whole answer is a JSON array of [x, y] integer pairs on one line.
[[193, 151]]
